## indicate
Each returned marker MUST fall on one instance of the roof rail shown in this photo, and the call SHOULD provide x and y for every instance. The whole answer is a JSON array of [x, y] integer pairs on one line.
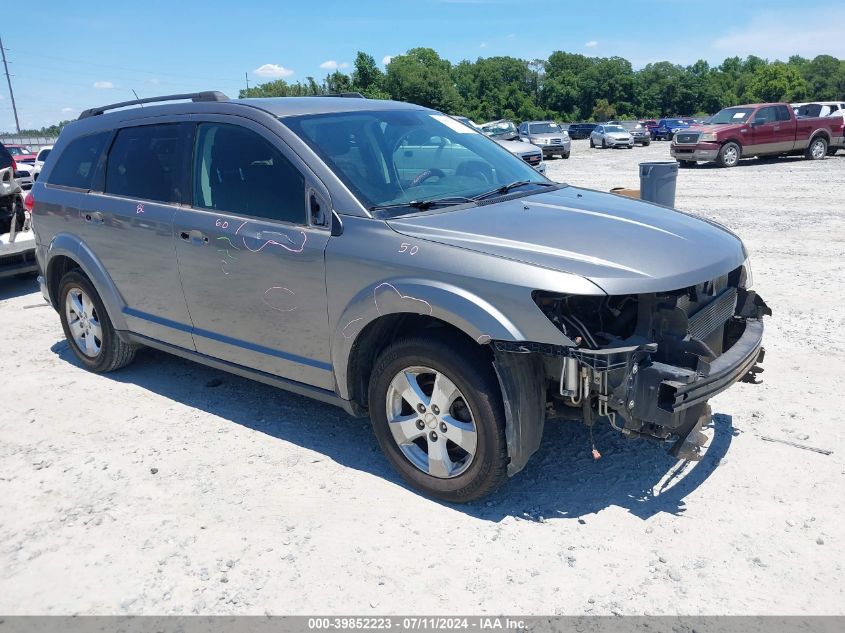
[[349, 95], [193, 96]]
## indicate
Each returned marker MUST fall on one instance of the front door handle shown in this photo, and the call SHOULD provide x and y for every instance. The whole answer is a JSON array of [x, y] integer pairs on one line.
[[197, 238], [94, 217]]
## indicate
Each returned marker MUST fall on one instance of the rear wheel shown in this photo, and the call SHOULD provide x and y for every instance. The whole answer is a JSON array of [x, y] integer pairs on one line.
[[87, 326], [817, 149], [438, 416], [604, 143], [729, 155]]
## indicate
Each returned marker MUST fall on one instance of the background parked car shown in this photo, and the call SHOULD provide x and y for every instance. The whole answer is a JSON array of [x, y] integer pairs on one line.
[[819, 108], [501, 130], [636, 129], [43, 153], [608, 135], [666, 129], [547, 135], [21, 153], [580, 130], [531, 154], [650, 125], [17, 244]]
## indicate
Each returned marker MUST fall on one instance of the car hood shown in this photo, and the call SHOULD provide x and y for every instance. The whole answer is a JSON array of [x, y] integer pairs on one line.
[[519, 147], [621, 245]]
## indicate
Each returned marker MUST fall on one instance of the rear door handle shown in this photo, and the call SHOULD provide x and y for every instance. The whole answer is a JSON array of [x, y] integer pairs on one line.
[[197, 238], [94, 217]]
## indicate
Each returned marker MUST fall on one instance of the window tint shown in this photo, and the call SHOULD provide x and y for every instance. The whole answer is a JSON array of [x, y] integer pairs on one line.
[[43, 154], [5, 158], [237, 170], [144, 163], [782, 113], [78, 162], [765, 115]]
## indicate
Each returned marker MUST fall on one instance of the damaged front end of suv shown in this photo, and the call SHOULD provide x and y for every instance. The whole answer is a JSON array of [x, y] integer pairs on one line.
[[648, 363]]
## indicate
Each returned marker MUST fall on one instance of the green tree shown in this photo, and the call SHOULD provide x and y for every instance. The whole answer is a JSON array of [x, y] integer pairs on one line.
[[603, 111], [421, 76], [777, 82]]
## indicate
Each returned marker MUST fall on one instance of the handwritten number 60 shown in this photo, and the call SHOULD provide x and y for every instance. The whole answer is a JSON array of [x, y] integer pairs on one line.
[[223, 224]]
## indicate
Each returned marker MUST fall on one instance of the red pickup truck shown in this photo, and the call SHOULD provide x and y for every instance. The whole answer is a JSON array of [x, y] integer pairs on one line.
[[762, 129]]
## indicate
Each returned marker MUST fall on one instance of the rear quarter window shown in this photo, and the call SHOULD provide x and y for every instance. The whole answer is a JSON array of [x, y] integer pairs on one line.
[[78, 162]]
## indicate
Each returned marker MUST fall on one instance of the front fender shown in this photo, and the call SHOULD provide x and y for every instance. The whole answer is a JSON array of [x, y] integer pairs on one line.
[[471, 314], [71, 246]]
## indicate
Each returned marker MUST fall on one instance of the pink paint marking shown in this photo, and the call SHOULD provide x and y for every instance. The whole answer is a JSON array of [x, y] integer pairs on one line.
[[343, 331], [270, 305], [401, 296], [275, 243]]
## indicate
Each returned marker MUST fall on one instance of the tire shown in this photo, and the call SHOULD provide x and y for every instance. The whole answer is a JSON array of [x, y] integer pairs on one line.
[[90, 317], [729, 155], [604, 143], [817, 149], [831, 151], [686, 163], [463, 476], [647, 144], [592, 145], [565, 155]]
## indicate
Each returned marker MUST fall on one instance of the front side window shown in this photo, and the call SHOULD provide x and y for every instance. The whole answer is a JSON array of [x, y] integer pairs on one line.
[[144, 163], [765, 115], [78, 161], [238, 171], [399, 157]]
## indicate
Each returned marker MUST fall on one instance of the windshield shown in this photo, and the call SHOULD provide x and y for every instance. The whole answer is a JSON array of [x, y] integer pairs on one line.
[[400, 157], [500, 127], [18, 151], [544, 128], [674, 123], [731, 115], [615, 128]]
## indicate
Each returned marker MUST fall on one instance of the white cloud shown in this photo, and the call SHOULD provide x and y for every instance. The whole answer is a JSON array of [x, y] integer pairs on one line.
[[482, 45], [153, 80], [510, 36], [775, 36], [331, 64], [272, 70], [103, 84], [386, 59], [2, 97], [66, 110], [591, 44]]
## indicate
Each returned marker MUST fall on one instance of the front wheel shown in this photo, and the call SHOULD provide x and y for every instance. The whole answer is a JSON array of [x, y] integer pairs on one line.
[[565, 155], [437, 414], [729, 155], [592, 144], [604, 143], [817, 149], [88, 328]]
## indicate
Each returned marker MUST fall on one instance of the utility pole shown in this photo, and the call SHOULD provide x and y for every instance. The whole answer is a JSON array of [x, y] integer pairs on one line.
[[246, 76], [9, 81]]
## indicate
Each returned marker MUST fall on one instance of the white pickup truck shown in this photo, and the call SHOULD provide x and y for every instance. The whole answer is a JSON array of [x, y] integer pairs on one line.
[[17, 242]]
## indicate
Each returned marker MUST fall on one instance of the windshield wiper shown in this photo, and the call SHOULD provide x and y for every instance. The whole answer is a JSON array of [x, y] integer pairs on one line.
[[510, 186], [423, 204]]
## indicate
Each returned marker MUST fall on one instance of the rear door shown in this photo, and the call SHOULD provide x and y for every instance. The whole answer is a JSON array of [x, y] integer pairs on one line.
[[785, 128], [129, 226], [251, 253]]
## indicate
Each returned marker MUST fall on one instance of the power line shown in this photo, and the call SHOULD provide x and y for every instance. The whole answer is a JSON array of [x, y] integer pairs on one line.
[[9, 81]]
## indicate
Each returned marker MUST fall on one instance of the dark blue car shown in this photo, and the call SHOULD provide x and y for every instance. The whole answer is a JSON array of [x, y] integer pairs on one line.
[[666, 129]]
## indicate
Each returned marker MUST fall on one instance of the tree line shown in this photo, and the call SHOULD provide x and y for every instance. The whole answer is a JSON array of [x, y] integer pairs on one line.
[[574, 87], [569, 86]]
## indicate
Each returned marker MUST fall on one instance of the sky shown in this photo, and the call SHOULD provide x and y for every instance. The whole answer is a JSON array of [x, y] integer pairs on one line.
[[65, 57]]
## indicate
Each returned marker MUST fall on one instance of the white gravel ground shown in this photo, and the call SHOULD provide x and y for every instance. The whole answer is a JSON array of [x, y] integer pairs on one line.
[[171, 488]]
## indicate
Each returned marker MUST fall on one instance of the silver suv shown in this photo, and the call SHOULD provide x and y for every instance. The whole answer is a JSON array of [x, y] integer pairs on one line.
[[390, 260]]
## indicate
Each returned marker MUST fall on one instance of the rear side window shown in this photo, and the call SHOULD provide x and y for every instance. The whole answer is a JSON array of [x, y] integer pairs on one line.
[[78, 162], [782, 113], [237, 170], [5, 158], [144, 163]]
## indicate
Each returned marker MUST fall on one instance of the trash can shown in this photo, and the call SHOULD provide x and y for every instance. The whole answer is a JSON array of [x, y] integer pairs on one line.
[[657, 182]]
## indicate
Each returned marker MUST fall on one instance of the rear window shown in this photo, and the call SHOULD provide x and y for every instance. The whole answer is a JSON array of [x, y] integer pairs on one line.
[[144, 163], [78, 162]]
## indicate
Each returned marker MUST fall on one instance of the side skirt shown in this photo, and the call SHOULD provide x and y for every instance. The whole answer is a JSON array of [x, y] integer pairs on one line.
[[323, 395]]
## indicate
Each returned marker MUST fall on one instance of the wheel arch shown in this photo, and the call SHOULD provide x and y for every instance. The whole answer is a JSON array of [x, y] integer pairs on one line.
[[66, 252], [386, 311]]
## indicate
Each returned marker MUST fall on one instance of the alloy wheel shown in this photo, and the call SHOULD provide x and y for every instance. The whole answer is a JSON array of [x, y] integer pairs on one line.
[[818, 150], [431, 422], [84, 323]]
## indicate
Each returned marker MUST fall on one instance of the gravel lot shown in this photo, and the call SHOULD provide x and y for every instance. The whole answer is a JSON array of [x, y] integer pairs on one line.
[[171, 488]]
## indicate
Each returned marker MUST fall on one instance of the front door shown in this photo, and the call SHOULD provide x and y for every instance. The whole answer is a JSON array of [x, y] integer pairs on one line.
[[251, 254]]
